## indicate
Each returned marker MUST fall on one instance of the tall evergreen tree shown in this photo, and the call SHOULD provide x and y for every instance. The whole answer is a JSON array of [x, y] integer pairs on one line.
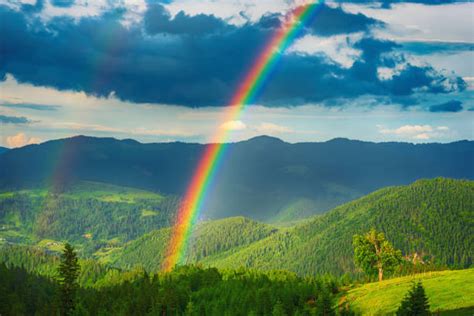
[[374, 254], [68, 273], [415, 302]]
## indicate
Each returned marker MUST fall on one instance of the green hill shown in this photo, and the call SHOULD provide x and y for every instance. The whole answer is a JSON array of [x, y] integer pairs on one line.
[[430, 217], [210, 239], [449, 292], [91, 215]]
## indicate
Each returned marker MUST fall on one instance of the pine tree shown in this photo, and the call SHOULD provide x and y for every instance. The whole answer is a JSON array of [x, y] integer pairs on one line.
[[415, 302], [68, 273]]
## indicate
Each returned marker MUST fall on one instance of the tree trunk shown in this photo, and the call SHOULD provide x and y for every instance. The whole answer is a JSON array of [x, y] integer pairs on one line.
[[380, 274]]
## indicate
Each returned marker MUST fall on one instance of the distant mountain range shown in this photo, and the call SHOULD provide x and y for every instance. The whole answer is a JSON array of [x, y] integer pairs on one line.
[[262, 178]]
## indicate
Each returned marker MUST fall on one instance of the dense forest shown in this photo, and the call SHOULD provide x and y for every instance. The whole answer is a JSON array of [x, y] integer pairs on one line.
[[29, 287], [430, 220]]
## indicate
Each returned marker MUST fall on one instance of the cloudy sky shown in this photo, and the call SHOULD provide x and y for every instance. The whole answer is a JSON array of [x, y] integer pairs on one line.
[[158, 71]]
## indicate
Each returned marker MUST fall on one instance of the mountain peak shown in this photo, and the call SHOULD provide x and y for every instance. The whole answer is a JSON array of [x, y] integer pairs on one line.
[[265, 139]]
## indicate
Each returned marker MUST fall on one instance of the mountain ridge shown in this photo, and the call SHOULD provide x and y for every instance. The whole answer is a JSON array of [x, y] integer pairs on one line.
[[260, 178]]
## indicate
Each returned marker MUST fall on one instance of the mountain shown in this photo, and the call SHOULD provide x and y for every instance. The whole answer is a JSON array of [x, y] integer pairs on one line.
[[432, 218], [263, 178]]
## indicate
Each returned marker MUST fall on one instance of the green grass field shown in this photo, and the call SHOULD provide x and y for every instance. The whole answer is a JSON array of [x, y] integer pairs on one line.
[[449, 292]]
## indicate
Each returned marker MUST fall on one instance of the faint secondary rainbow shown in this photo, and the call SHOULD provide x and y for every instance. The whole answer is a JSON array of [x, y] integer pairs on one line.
[[213, 153]]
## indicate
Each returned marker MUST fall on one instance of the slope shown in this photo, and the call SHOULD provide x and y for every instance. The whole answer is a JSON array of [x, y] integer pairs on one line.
[[209, 239], [88, 214], [430, 217], [448, 292]]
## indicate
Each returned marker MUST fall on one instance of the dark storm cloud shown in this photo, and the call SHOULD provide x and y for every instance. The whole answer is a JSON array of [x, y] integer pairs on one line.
[[197, 60], [428, 48], [62, 3], [331, 21], [4, 119], [158, 20], [450, 106], [31, 106]]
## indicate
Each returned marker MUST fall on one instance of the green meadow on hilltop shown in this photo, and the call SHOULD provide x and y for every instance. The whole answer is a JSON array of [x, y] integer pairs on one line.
[[449, 292]]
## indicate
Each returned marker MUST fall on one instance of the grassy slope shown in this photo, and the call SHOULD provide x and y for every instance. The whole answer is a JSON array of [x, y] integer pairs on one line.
[[446, 291]]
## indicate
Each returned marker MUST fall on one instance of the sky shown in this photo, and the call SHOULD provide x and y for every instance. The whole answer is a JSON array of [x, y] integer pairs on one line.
[[160, 71]]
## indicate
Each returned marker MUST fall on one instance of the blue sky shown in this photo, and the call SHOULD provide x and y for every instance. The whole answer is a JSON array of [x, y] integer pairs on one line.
[[165, 70]]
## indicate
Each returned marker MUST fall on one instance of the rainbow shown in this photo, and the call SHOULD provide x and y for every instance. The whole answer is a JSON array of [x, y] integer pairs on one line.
[[212, 156]]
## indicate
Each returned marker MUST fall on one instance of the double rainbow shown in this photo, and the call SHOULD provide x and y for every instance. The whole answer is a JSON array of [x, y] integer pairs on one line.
[[245, 95]]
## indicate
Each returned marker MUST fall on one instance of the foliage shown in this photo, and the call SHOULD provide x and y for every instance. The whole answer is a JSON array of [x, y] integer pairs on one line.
[[68, 272], [415, 302], [374, 254]]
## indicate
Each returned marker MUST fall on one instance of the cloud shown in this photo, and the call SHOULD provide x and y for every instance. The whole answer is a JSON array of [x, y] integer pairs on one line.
[[20, 140], [431, 47], [158, 20], [32, 106], [234, 126], [62, 3], [332, 21], [13, 119], [199, 60], [418, 132], [450, 106], [271, 128]]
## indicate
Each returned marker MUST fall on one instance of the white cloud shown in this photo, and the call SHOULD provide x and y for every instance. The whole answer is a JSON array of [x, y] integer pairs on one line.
[[418, 132], [408, 130], [270, 128], [418, 22], [234, 126], [338, 48], [20, 140]]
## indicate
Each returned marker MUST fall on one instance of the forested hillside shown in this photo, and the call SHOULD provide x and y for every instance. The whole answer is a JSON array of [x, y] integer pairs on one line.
[[91, 215], [263, 178], [209, 239], [432, 218]]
